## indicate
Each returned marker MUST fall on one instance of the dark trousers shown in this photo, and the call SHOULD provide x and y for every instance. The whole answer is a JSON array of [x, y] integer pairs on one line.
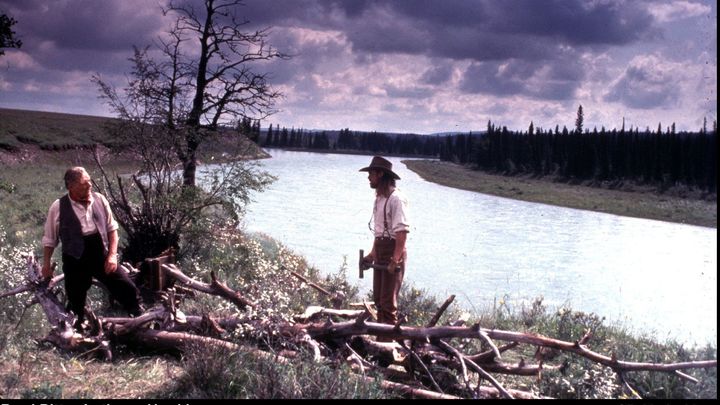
[[80, 272], [386, 285]]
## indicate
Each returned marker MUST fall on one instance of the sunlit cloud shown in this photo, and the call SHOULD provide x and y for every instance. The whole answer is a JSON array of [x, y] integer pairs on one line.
[[677, 10]]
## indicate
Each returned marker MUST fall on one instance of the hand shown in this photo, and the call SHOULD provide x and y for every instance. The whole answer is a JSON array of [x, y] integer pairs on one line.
[[394, 264], [111, 263], [47, 271], [368, 260]]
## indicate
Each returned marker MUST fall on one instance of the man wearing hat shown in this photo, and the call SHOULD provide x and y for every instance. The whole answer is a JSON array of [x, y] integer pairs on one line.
[[390, 228]]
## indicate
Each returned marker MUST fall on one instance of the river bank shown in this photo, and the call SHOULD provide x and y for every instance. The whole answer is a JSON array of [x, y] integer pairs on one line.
[[638, 203]]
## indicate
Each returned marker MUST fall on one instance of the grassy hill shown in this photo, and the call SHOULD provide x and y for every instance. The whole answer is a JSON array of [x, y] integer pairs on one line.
[[50, 131], [47, 131]]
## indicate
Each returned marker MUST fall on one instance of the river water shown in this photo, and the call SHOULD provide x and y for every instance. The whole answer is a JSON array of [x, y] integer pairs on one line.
[[651, 276]]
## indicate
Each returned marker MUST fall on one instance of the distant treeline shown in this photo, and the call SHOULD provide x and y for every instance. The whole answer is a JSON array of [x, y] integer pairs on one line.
[[660, 158], [352, 141]]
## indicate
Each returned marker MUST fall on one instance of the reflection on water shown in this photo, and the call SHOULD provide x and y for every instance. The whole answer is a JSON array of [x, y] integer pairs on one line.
[[652, 276]]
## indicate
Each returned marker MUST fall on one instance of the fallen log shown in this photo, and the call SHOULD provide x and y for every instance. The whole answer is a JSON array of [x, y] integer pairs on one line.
[[424, 334], [336, 298], [173, 341], [214, 288], [583, 351], [484, 374], [434, 320], [61, 334], [313, 312]]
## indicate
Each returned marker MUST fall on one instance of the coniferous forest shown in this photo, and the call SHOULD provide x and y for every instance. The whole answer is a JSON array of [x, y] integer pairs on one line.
[[662, 158]]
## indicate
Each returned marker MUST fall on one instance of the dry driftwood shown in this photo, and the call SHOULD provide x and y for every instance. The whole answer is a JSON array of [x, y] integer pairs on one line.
[[165, 326], [61, 334], [214, 288], [335, 297], [424, 334]]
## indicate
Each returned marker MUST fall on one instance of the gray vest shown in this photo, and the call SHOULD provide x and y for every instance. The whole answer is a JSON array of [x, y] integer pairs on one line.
[[70, 230]]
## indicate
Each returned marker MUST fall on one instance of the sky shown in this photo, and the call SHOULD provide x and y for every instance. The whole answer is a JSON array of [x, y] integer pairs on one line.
[[408, 66]]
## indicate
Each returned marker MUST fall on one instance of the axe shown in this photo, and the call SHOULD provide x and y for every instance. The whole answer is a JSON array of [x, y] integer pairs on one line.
[[362, 266]]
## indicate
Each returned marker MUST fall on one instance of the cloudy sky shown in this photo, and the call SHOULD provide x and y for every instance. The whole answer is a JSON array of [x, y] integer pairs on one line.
[[418, 66]]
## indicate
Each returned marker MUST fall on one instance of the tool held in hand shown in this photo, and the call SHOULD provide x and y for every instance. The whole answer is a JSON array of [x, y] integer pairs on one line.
[[364, 265]]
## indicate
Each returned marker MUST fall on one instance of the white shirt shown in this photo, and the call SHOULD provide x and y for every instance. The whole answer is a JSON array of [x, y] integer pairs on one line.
[[396, 214], [51, 238]]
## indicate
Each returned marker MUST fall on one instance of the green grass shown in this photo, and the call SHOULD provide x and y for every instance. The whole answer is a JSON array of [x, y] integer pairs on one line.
[[50, 131], [641, 202]]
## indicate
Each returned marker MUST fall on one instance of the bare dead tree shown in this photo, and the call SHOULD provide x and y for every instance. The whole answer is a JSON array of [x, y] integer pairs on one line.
[[220, 82], [198, 89]]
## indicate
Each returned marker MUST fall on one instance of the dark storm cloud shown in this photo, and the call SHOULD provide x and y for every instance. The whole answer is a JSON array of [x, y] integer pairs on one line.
[[644, 86], [408, 92], [306, 56], [471, 29], [437, 75], [85, 60], [575, 22], [487, 77], [537, 41], [83, 35], [465, 29], [86, 24], [479, 30], [553, 80]]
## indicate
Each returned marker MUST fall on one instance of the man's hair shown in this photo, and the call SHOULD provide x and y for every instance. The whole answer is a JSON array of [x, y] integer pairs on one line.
[[386, 181], [73, 175]]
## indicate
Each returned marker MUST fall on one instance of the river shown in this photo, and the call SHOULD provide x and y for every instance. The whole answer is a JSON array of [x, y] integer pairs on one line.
[[650, 276]]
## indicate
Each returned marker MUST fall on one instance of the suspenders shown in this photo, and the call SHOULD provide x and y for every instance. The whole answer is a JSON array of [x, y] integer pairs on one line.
[[386, 231]]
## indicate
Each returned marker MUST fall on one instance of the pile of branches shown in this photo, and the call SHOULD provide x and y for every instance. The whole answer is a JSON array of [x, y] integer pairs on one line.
[[407, 356]]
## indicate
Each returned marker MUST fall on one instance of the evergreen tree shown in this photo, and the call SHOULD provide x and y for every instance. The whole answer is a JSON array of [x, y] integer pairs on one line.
[[579, 120], [269, 137], [283, 137], [291, 141]]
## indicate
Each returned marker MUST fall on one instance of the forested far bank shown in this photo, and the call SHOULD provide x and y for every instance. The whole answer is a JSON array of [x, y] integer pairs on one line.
[[663, 159]]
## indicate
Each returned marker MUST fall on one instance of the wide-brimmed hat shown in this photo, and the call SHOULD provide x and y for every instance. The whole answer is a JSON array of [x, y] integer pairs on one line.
[[380, 163]]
